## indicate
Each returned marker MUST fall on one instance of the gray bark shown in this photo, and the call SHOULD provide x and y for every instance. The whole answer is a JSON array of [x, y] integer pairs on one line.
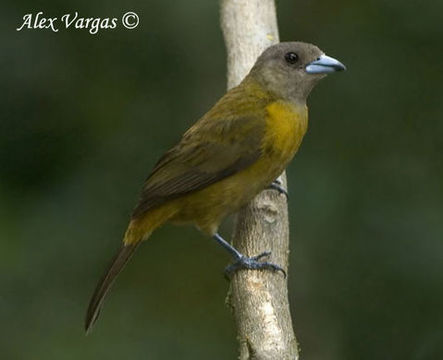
[[258, 299]]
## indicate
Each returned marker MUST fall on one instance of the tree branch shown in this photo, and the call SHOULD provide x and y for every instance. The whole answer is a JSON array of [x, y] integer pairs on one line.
[[259, 299]]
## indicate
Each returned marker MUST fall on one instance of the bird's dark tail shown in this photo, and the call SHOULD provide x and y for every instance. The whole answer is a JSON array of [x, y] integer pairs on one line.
[[105, 283]]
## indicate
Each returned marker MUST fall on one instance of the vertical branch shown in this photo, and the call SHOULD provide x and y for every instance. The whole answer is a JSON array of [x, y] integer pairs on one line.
[[259, 299]]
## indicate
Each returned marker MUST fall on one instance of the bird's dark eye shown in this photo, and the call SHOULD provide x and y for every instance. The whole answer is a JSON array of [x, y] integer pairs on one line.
[[291, 57]]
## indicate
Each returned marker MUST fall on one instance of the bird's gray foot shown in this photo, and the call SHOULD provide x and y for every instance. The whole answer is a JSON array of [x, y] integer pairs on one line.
[[277, 185], [244, 262], [252, 263]]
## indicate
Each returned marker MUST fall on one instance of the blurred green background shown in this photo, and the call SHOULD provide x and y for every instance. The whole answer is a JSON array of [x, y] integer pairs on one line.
[[85, 117]]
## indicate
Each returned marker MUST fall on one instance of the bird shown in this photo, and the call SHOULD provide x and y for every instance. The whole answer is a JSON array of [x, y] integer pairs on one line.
[[232, 153]]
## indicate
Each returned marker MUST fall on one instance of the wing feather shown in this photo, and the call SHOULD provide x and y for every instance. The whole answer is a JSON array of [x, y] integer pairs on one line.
[[209, 152]]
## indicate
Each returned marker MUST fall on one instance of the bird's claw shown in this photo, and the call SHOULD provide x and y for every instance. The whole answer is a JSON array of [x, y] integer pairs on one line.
[[276, 185], [259, 256], [252, 263]]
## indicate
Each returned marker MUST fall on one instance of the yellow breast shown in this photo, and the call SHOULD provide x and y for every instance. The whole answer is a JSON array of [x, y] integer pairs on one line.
[[286, 124]]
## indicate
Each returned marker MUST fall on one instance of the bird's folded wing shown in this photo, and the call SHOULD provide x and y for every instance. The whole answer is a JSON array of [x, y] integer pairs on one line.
[[207, 153]]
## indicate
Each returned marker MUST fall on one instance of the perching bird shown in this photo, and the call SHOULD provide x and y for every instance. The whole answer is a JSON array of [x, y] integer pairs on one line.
[[237, 149]]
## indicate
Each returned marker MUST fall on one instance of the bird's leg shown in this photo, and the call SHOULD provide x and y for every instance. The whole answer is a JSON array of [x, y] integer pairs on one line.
[[277, 185], [244, 262]]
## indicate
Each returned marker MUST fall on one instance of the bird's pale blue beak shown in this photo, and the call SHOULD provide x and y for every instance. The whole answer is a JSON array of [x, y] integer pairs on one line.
[[324, 65]]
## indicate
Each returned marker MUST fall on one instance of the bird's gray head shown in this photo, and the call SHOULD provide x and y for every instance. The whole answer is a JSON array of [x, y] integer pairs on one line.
[[290, 70]]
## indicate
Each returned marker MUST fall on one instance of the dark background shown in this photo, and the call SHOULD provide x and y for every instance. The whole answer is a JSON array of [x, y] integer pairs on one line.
[[84, 118]]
